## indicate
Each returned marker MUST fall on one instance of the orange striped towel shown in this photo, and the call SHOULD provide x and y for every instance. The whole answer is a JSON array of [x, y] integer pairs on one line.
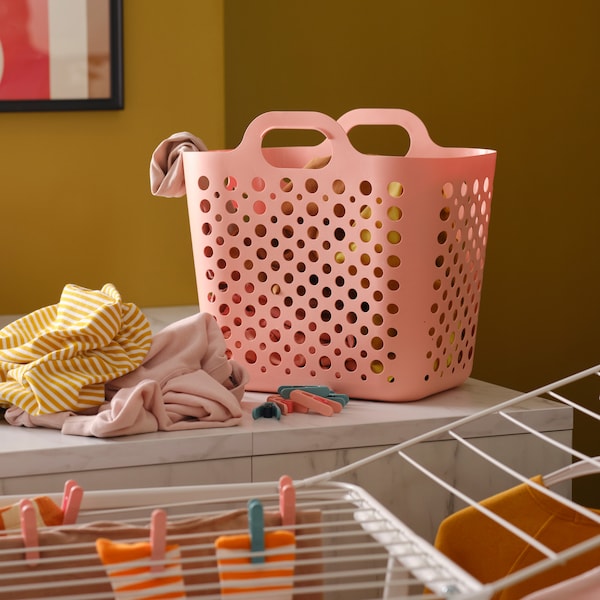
[[128, 569], [237, 574]]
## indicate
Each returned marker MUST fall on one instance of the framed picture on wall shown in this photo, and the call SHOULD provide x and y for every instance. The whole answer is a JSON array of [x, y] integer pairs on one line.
[[61, 55]]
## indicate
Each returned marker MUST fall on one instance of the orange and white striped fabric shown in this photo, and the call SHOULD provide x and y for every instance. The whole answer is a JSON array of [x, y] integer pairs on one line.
[[58, 358], [47, 513], [237, 574], [128, 569]]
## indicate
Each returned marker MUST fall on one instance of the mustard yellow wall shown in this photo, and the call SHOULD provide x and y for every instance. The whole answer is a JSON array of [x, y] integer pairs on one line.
[[74, 193], [519, 76]]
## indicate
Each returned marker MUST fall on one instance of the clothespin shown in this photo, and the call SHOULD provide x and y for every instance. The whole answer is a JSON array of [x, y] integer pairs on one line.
[[337, 407], [256, 527], [287, 501], [158, 540], [343, 399], [71, 502], [268, 410], [29, 531], [315, 403], [286, 405], [319, 390]]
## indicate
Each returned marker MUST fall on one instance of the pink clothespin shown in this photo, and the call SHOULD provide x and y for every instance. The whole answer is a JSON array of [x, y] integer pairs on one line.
[[29, 531], [71, 502], [314, 403], [337, 407], [158, 540], [287, 501], [285, 405]]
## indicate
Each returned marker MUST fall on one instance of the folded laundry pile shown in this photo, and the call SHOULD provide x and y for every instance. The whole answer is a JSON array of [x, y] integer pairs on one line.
[[89, 365]]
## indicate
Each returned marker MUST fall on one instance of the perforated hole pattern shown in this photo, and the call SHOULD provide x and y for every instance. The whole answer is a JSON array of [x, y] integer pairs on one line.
[[307, 279]]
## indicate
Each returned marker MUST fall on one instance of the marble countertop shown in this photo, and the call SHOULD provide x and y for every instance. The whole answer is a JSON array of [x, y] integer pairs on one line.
[[361, 424]]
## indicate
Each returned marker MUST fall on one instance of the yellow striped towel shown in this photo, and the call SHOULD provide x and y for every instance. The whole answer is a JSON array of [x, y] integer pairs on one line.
[[58, 358]]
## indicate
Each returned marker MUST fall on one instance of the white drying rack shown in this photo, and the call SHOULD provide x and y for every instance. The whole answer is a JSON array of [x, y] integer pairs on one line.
[[363, 551]]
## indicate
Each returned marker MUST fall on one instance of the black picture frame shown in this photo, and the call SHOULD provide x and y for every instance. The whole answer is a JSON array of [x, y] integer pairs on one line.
[[114, 100]]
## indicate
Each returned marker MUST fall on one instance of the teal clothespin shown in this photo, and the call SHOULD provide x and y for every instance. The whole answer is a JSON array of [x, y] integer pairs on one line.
[[318, 390], [256, 526], [268, 410], [343, 399]]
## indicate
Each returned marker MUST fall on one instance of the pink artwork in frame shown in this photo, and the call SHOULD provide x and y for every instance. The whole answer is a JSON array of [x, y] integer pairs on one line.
[[60, 55]]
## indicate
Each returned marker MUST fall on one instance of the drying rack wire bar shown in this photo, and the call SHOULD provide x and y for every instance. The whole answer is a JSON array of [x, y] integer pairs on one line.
[[357, 549], [546, 389], [360, 545]]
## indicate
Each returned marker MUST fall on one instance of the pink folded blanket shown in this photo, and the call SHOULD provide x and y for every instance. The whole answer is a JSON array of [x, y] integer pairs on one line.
[[166, 165], [185, 382]]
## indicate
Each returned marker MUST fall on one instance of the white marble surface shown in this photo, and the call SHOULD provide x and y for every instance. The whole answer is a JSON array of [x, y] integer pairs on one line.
[[360, 424], [6, 319], [302, 445], [160, 317], [374, 423]]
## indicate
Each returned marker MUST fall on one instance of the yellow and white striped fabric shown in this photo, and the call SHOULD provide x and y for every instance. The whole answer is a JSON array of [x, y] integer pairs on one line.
[[58, 358]]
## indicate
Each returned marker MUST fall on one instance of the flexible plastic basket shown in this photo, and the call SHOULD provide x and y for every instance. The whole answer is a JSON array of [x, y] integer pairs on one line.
[[364, 275]]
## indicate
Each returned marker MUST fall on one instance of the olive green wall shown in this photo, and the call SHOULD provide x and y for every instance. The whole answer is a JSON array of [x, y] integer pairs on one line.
[[519, 76], [75, 196]]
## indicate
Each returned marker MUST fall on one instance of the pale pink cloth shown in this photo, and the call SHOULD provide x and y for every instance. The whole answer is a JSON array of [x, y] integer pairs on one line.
[[185, 382], [166, 165], [583, 587]]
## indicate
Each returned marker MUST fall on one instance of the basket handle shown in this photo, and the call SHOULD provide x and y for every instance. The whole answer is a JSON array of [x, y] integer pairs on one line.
[[307, 120], [420, 142]]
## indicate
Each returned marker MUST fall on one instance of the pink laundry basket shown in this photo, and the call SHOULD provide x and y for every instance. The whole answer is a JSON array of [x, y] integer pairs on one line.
[[364, 275]]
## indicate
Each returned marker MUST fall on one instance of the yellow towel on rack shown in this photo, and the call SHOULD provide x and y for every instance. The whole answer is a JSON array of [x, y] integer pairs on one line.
[[128, 568], [58, 358], [238, 574], [488, 551]]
